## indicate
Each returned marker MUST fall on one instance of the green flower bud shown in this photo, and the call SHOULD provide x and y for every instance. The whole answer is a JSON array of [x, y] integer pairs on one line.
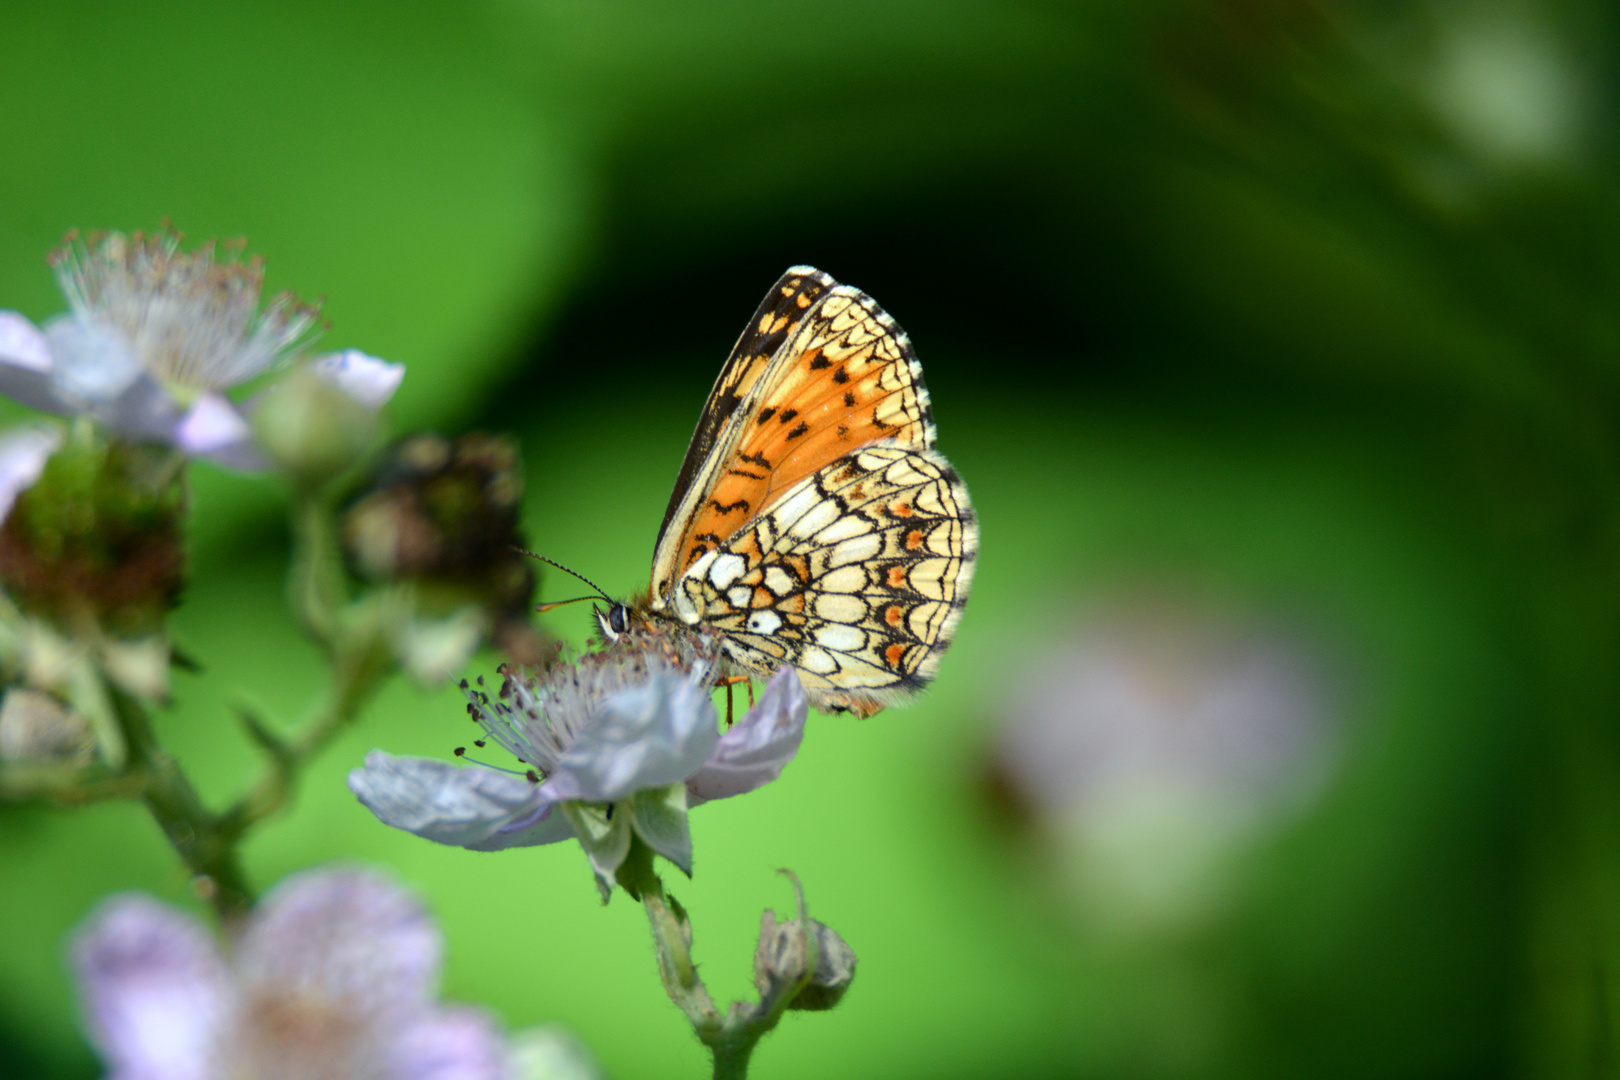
[[312, 427]]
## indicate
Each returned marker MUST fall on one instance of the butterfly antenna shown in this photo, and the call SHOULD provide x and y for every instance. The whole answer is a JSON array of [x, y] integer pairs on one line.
[[573, 573]]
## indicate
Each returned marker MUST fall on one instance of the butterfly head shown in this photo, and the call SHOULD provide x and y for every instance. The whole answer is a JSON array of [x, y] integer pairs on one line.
[[614, 621]]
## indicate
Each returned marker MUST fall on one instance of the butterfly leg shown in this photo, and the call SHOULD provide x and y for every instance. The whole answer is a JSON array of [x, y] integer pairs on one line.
[[728, 683]]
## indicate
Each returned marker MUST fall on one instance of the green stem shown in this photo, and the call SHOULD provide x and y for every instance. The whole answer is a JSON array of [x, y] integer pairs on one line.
[[731, 1039], [317, 595], [315, 588], [353, 683], [67, 785], [192, 831]]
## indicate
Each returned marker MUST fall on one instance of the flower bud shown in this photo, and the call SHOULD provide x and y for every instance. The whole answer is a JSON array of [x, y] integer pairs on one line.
[[97, 537], [442, 514], [34, 726], [780, 961], [312, 427]]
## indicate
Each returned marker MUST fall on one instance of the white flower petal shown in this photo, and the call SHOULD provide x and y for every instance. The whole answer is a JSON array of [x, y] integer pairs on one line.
[[756, 749], [143, 411], [463, 807], [215, 430], [212, 424], [23, 453], [155, 991], [646, 736], [368, 380], [25, 365], [90, 362], [453, 1044], [342, 936], [22, 345]]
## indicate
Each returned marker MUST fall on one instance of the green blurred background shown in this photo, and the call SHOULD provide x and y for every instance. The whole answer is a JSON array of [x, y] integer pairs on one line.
[[1287, 313]]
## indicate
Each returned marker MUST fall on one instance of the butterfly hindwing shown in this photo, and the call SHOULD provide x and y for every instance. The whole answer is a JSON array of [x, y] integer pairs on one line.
[[856, 576]]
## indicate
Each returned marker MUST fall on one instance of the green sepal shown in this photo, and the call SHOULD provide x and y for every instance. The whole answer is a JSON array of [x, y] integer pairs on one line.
[[605, 835], [659, 818]]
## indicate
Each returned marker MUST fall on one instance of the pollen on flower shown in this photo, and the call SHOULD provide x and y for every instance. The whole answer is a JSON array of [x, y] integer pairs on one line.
[[192, 319], [538, 712]]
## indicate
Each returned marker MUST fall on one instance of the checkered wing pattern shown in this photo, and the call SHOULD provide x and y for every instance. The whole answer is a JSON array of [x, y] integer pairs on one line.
[[857, 577], [813, 522]]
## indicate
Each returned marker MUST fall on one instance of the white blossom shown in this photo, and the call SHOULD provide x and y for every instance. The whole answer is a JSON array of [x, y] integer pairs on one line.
[[155, 336]]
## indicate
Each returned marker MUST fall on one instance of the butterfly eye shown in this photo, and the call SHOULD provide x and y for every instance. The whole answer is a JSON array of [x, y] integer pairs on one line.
[[618, 618]]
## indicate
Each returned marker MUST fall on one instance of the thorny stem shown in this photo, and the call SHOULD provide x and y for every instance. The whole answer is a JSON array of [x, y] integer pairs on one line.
[[191, 829]]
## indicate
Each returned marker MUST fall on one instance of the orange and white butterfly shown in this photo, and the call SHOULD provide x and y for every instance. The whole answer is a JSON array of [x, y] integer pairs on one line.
[[812, 522]]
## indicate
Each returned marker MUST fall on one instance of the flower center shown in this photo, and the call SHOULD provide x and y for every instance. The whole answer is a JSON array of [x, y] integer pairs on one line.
[[190, 319]]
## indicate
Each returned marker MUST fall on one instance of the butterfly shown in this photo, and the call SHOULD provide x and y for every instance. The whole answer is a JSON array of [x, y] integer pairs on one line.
[[813, 523]]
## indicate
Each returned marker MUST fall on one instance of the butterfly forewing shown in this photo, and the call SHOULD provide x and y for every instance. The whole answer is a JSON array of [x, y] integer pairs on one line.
[[779, 314], [844, 378]]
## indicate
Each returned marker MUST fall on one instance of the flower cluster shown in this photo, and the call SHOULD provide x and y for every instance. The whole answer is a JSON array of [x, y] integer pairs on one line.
[[616, 746]]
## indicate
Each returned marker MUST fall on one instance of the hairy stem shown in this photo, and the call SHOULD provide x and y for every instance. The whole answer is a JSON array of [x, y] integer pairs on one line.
[[730, 1038]]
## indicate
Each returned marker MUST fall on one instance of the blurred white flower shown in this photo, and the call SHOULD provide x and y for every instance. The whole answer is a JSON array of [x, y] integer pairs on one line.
[[1149, 748], [619, 743], [333, 977], [153, 338], [23, 454]]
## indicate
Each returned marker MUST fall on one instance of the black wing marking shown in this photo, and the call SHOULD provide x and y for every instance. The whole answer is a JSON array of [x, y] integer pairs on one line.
[[781, 311]]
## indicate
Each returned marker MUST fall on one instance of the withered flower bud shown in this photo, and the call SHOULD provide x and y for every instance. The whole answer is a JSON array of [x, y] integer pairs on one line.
[[443, 515], [780, 961], [34, 726]]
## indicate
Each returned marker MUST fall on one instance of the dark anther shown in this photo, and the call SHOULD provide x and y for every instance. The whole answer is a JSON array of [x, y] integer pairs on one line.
[[534, 777], [461, 751], [480, 743]]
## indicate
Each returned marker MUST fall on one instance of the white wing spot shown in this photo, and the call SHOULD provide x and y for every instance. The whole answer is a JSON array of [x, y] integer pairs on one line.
[[840, 638], [764, 622], [726, 569]]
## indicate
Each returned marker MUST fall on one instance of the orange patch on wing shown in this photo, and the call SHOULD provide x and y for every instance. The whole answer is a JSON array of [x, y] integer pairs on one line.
[[897, 577], [832, 398], [894, 615], [894, 654], [914, 539]]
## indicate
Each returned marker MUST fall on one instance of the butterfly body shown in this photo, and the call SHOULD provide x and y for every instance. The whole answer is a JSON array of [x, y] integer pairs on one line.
[[813, 523]]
